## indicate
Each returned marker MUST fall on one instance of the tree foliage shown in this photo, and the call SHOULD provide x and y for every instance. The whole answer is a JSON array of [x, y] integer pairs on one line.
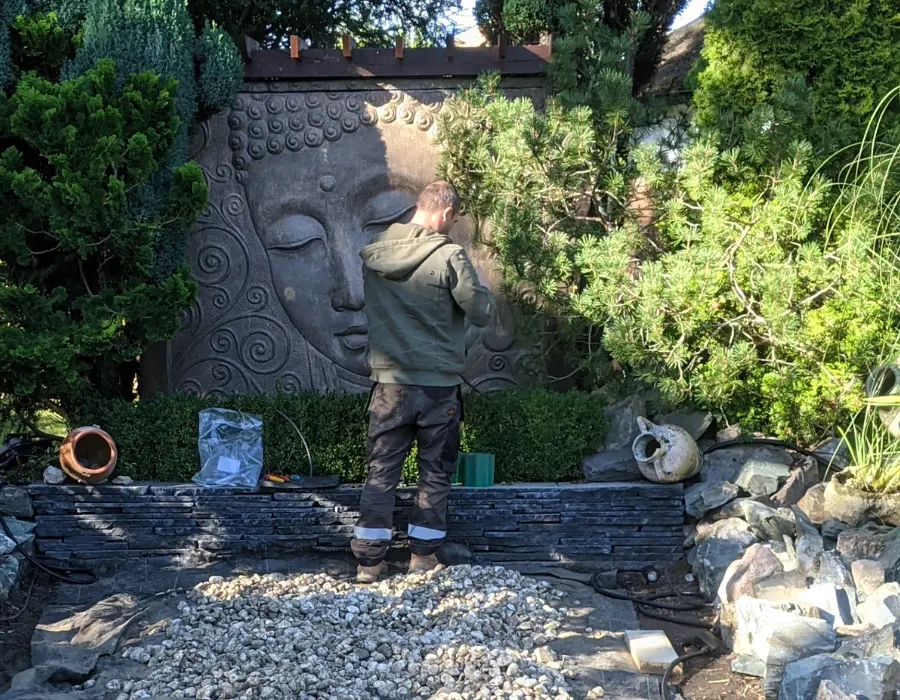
[[79, 300], [371, 22], [729, 273], [847, 52], [546, 181], [525, 20]]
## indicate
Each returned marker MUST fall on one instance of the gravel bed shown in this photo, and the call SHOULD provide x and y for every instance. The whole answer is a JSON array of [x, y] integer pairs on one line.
[[464, 633]]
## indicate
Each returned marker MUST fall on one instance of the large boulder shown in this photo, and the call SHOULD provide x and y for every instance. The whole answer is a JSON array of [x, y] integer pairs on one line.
[[829, 691], [726, 464], [875, 678], [9, 573], [717, 546], [705, 496], [611, 466]]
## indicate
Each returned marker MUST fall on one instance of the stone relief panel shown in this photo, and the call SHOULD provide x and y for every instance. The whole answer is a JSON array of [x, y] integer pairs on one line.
[[300, 180]]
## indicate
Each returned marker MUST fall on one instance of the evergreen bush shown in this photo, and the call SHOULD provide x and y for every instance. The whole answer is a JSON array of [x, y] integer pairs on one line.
[[78, 297], [847, 52]]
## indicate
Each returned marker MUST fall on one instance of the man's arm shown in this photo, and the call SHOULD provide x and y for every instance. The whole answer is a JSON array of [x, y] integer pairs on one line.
[[474, 298]]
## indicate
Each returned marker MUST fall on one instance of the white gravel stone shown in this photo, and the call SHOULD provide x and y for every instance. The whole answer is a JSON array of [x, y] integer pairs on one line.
[[463, 633]]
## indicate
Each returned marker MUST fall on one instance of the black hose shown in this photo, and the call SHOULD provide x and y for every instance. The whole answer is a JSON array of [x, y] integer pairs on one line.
[[821, 459], [644, 605], [667, 693], [64, 572]]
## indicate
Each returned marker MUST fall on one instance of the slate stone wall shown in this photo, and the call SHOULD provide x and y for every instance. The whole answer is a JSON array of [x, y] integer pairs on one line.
[[625, 526]]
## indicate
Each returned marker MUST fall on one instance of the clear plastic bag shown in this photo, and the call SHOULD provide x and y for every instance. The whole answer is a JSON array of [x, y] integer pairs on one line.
[[231, 449]]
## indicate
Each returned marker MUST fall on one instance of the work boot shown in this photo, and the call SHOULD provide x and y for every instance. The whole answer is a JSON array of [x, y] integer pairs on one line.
[[421, 564], [370, 574]]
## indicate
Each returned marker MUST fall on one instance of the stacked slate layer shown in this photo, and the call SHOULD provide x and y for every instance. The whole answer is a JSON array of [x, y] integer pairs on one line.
[[624, 526]]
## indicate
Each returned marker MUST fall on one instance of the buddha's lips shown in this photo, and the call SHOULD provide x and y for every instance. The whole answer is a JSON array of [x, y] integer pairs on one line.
[[354, 338]]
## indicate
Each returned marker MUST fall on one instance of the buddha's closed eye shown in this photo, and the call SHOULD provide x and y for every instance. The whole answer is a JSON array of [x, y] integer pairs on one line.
[[295, 233]]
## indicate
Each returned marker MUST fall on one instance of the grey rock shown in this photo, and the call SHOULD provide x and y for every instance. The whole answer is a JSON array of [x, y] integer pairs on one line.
[[767, 523], [809, 544], [884, 641], [784, 586], [696, 423], [829, 691], [9, 574], [757, 564], [836, 452], [22, 531], [833, 570], [123, 481], [867, 542], [749, 666], [705, 496], [16, 502], [726, 464], [760, 478], [831, 530], [868, 577], [611, 466], [801, 479], [890, 557], [779, 633], [813, 504], [54, 475], [729, 433], [718, 545], [881, 608], [621, 421], [875, 678]]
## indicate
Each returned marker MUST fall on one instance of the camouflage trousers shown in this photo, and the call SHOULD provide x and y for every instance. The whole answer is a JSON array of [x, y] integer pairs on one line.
[[400, 414]]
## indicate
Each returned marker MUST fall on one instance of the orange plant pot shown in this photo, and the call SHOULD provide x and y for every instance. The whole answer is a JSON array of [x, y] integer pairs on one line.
[[88, 455]]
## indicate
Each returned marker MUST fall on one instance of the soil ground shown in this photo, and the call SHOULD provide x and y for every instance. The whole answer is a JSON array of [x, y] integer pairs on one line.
[[17, 623]]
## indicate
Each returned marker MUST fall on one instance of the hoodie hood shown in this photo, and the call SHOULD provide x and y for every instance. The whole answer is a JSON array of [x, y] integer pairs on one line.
[[401, 249]]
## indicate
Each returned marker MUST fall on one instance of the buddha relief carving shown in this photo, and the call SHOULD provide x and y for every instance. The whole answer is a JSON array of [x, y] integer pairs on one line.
[[299, 183]]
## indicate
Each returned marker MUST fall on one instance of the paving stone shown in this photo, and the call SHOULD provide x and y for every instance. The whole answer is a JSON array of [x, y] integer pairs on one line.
[[651, 650]]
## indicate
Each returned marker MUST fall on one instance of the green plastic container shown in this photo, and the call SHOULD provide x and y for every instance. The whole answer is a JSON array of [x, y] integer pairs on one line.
[[460, 469], [478, 470]]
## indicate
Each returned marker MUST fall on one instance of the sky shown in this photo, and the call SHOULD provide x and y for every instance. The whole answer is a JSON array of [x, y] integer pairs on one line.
[[695, 8]]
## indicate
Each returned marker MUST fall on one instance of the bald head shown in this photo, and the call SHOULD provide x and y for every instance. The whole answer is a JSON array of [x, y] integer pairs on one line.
[[437, 207]]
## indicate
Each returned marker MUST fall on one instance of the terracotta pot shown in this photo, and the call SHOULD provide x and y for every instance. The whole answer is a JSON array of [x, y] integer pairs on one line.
[[88, 455]]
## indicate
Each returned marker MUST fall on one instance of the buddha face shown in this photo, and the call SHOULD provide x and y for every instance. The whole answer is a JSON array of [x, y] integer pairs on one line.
[[324, 175]]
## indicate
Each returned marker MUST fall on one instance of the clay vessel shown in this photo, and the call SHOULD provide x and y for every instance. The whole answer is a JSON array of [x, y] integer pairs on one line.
[[88, 455], [665, 454]]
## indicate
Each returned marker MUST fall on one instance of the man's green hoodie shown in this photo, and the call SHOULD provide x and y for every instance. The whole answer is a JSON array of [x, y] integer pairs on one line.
[[420, 287]]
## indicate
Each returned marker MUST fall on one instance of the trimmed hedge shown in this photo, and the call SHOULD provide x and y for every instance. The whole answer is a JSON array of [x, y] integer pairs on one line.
[[534, 435]]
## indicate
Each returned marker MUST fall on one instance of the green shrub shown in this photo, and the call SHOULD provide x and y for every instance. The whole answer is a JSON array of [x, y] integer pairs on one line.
[[847, 52], [535, 435]]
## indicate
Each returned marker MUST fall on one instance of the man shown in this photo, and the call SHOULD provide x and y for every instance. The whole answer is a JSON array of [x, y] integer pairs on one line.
[[419, 289]]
